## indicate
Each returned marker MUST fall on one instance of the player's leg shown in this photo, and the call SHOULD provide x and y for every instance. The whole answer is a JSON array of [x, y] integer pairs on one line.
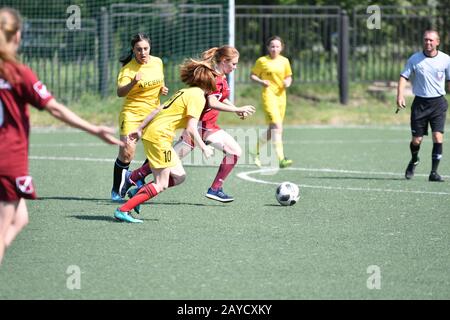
[[121, 166], [20, 220], [278, 132], [224, 142], [268, 103], [162, 160], [419, 128], [7, 212], [437, 123], [128, 123]]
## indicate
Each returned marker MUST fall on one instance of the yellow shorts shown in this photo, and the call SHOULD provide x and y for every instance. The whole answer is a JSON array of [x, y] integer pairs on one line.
[[274, 107], [129, 122], [160, 154]]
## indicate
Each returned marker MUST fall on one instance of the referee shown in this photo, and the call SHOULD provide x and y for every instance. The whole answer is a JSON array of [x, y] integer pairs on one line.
[[428, 71]]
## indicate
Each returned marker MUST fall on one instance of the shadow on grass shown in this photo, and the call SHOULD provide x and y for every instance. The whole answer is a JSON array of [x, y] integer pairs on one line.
[[105, 218], [108, 201]]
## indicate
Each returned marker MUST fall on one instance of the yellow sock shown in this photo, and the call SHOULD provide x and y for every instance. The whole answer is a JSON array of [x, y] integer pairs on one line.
[[279, 149]]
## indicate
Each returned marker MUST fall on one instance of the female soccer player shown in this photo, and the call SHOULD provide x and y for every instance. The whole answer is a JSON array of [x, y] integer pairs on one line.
[[225, 60], [141, 82], [182, 110], [274, 73], [18, 87]]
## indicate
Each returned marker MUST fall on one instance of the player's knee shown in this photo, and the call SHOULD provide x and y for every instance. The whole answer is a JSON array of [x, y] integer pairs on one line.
[[417, 140], [438, 137], [178, 179]]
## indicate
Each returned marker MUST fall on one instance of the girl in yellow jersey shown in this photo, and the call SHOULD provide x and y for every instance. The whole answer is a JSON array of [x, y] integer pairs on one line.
[[182, 110], [141, 82], [273, 72]]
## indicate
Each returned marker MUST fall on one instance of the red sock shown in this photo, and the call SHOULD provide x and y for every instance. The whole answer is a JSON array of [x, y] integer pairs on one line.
[[147, 192], [225, 168], [140, 173], [171, 182]]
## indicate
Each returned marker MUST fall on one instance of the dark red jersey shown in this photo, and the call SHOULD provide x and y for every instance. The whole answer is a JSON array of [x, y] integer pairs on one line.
[[15, 117], [209, 116]]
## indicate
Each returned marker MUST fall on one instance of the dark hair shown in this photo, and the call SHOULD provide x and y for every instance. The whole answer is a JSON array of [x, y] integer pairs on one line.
[[136, 38], [274, 38]]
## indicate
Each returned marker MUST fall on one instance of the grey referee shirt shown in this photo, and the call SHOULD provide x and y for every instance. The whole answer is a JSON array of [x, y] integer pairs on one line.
[[427, 74]]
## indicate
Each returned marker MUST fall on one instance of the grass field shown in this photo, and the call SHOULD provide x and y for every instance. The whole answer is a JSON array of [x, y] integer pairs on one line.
[[356, 211]]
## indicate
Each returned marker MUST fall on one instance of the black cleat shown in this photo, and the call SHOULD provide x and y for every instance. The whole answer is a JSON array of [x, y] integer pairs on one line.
[[409, 173], [435, 177]]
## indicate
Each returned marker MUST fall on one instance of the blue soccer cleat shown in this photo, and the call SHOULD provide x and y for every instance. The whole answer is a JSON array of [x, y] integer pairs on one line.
[[125, 216], [218, 195], [128, 183], [115, 197]]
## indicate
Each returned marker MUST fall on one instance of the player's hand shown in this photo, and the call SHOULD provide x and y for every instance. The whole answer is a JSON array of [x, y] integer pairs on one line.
[[135, 135], [164, 90], [107, 135], [265, 83], [401, 103], [208, 151], [245, 111], [137, 77]]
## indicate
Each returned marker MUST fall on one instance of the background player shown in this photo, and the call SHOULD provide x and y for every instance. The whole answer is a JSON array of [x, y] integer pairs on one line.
[[140, 81], [274, 73]]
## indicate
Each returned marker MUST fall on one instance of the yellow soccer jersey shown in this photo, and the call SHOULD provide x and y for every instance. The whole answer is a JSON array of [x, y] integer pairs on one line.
[[274, 70], [144, 96], [185, 103]]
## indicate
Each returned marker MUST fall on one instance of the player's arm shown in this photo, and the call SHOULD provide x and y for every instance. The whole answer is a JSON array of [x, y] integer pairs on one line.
[[401, 103], [258, 80], [287, 81], [192, 130], [122, 91], [227, 106], [137, 134], [61, 112]]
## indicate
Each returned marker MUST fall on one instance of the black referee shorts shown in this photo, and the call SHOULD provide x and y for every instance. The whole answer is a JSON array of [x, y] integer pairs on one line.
[[428, 110]]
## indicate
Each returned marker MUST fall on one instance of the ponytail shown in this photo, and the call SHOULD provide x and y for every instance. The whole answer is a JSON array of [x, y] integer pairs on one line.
[[217, 54], [126, 58]]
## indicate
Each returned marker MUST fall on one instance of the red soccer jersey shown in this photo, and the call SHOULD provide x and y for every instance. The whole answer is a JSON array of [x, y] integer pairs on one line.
[[15, 117], [209, 116]]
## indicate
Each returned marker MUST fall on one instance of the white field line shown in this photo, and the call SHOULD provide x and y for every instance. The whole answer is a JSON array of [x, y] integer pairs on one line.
[[291, 142], [246, 176]]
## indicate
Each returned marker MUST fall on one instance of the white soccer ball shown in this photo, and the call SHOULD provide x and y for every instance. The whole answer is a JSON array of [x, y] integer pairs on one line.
[[287, 193]]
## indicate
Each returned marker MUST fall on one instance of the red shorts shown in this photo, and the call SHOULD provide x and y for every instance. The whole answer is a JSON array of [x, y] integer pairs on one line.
[[15, 188]]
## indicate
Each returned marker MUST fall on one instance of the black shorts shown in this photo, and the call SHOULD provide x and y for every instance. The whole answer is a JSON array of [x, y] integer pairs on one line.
[[426, 111]]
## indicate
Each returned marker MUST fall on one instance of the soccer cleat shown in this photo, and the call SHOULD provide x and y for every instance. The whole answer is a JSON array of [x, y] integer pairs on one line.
[[284, 163], [115, 197], [125, 216], [435, 177], [128, 183], [218, 195], [409, 173]]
